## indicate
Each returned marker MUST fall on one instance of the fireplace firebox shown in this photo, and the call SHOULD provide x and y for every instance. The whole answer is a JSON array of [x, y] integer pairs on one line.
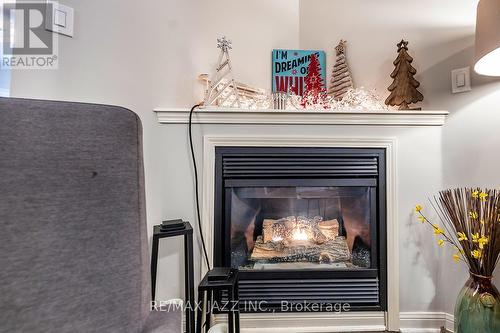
[[303, 225]]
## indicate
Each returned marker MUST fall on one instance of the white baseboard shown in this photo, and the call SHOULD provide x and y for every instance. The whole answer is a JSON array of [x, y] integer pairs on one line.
[[425, 322], [310, 322], [411, 322]]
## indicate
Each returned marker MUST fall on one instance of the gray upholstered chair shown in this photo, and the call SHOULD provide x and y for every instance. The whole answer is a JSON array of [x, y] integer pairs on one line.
[[74, 253]]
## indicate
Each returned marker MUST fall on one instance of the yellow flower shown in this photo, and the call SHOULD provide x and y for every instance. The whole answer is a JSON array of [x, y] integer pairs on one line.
[[482, 241], [456, 257], [475, 237], [418, 208], [476, 254], [440, 242], [462, 236], [421, 219], [473, 215], [438, 230], [475, 194], [483, 196]]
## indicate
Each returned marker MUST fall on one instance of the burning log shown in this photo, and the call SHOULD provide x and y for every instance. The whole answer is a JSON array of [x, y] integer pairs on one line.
[[329, 228], [329, 252], [300, 228], [301, 239]]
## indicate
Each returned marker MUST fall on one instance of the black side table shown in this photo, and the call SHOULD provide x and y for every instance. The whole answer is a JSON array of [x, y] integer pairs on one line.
[[187, 232], [207, 292]]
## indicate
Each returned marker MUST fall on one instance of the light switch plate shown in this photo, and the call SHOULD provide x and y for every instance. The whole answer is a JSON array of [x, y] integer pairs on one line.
[[60, 18], [460, 80]]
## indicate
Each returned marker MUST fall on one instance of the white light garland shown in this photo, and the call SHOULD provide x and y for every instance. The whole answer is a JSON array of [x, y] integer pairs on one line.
[[359, 99], [354, 99]]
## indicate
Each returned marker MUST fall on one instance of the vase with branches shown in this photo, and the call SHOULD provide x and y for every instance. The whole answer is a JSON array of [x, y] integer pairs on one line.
[[470, 224]]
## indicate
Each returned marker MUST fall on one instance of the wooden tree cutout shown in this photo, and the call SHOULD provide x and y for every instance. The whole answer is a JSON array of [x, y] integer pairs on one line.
[[404, 87]]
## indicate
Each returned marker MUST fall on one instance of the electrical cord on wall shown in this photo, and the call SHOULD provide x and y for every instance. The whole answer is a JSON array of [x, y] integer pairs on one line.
[[197, 197]]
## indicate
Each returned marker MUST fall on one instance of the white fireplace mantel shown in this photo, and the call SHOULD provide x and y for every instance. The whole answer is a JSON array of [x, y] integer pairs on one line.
[[365, 129], [211, 115]]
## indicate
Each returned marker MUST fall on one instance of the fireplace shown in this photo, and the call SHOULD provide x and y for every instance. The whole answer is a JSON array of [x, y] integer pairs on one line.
[[303, 225]]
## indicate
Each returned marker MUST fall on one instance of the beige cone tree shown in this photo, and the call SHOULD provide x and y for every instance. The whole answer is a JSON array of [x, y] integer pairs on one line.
[[341, 80]]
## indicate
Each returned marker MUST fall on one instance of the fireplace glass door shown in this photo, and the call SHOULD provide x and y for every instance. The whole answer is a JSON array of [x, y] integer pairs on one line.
[[301, 227]]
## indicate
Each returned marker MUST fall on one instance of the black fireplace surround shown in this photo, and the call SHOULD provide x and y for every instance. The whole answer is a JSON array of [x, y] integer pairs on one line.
[[303, 225]]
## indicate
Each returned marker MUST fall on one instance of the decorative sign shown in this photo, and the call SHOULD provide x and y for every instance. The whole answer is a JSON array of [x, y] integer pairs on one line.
[[290, 68]]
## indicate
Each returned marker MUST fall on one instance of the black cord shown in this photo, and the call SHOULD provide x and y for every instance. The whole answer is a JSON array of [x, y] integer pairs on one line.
[[196, 186]]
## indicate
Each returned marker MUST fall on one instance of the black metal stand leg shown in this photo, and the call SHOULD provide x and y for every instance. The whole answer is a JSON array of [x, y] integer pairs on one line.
[[154, 265], [208, 312], [230, 324], [189, 281], [236, 298], [199, 310], [230, 314]]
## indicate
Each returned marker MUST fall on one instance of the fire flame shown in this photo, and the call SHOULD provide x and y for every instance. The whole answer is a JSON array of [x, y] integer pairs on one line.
[[299, 234]]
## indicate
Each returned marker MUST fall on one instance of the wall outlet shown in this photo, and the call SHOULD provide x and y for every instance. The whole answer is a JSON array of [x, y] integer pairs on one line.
[[60, 18], [460, 80]]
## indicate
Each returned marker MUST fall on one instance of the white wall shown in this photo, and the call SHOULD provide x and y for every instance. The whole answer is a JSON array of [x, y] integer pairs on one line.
[[441, 36], [147, 54]]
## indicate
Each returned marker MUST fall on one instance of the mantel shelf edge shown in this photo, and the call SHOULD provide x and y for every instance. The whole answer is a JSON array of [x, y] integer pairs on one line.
[[302, 117]]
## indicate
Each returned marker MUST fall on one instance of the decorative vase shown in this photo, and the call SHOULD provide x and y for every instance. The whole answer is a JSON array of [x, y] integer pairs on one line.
[[478, 306]]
